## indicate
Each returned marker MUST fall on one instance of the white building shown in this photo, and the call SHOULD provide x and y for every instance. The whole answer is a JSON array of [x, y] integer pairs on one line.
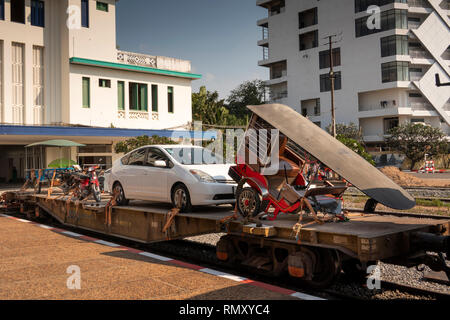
[[383, 76], [60, 67]]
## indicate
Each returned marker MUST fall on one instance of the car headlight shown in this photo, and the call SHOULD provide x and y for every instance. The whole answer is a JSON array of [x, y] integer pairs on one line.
[[202, 176]]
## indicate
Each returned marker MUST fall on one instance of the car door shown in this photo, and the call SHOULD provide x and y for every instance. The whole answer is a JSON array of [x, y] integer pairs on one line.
[[131, 176], [155, 178]]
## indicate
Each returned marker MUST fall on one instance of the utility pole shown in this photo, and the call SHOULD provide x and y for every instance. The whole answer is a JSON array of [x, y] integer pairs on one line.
[[332, 78]]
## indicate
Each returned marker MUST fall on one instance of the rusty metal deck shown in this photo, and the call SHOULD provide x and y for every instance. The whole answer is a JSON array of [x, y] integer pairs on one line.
[[368, 237]]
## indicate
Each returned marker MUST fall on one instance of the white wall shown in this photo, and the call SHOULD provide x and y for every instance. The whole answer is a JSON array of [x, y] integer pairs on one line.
[[104, 106]]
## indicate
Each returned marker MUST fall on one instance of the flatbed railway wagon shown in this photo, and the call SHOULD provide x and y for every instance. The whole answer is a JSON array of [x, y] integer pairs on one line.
[[310, 251], [313, 257]]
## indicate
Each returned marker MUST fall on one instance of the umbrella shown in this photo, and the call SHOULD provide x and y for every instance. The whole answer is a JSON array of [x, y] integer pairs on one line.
[[62, 163]]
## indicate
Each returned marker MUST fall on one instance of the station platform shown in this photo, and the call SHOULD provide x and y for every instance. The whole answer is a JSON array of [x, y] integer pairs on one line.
[[35, 259]]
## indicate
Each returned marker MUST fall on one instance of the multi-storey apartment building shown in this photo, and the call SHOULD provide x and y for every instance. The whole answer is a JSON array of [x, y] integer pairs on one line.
[[383, 75], [61, 75]]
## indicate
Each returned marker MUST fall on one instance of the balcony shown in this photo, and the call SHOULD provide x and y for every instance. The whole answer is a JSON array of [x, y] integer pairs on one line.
[[383, 105], [274, 6], [413, 25], [419, 3], [421, 106], [158, 62], [416, 76], [264, 42], [420, 54], [277, 97]]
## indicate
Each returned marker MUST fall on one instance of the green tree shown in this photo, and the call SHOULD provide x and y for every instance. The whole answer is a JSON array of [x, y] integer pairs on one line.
[[134, 143], [207, 108], [350, 131], [247, 93], [356, 146], [416, 140]]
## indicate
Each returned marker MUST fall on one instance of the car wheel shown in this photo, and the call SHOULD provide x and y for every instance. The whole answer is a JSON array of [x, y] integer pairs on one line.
[[181, 198], [121, 200]]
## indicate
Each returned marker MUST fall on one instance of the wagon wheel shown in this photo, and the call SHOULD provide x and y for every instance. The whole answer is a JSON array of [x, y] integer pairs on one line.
[[326, 270]]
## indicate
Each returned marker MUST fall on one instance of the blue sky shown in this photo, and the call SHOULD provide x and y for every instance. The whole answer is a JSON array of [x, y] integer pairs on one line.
[[218, 37]]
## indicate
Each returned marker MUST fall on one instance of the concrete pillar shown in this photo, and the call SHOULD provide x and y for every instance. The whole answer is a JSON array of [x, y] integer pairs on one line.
[[28, 85], [7, 81]]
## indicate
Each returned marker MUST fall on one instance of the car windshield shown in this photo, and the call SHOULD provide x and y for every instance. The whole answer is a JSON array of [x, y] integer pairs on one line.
[[194, 156]]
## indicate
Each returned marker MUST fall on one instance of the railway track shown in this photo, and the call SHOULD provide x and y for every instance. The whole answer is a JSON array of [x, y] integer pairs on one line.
[[205, 254], [417, 198]]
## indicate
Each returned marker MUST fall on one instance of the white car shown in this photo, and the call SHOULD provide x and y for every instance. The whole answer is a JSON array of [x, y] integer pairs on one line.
[[184, 175]]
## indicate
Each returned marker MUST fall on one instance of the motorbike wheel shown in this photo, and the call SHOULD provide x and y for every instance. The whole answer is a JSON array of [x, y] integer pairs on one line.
[[96, 192]]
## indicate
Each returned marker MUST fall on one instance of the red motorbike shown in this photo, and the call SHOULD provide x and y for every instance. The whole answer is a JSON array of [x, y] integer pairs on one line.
[[89, 184]]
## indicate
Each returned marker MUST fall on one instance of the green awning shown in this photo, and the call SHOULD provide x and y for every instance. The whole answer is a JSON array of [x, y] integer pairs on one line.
[[56, 143]]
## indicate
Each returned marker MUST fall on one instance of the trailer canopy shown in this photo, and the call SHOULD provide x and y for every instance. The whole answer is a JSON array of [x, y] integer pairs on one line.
[[335, 155]]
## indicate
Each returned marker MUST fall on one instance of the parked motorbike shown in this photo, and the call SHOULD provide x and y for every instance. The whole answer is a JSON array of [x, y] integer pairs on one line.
[[89, 184], [69, 180]]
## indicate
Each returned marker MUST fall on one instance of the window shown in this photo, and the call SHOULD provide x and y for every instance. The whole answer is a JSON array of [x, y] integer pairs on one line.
[[417, 70], [137, 158], [277, 8], [170, 99], [324, 58], [125, 160], [415, 95], [417, 120], [121, 95], [138, 96], [415, 45], [18, 11], [37, 13], [2, 9], [104, 83], [390, 19], [308, 40], [155, 155], [317, 108], [318, 123], [413, 19], [102, 6], [362, 5], [86, 92], [325, 82], [154, 98], [395, 71], [307, 18], [390, 123], [305, 112], [394, 45], [85, 13], [96, 148]]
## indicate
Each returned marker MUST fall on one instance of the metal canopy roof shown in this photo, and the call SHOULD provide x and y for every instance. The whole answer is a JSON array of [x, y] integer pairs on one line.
[[56, 143], [335, 155]]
